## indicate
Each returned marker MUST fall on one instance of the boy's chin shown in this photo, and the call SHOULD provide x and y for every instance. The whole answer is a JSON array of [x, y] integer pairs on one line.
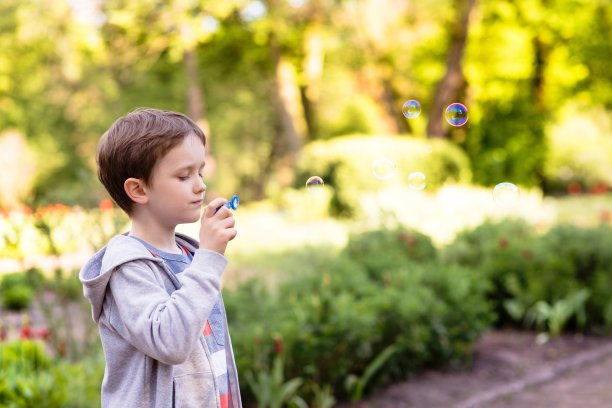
[[191, 220]]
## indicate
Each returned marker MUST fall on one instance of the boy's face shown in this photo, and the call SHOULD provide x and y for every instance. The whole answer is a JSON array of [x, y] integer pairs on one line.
[[176, 190]]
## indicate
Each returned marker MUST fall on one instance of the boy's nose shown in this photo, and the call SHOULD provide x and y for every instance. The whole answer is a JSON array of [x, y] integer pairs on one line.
[[200, 186]]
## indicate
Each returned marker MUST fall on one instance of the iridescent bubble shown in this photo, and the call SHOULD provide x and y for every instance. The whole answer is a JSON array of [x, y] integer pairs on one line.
[[383, 169], [456, 114], [506, 194], [314, 184], [417, 181], [411, 109]]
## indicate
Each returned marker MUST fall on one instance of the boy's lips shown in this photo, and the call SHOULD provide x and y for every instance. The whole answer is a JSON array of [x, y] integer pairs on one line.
[[197, 202]]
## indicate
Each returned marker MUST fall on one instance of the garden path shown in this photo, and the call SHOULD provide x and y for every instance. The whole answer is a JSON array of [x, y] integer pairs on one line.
[[511, 370]]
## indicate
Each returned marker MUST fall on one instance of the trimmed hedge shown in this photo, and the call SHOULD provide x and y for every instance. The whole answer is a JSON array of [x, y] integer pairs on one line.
[[345, 164]]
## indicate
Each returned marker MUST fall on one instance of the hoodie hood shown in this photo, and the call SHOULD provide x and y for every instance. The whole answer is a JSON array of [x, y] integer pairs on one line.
[[97, 271]]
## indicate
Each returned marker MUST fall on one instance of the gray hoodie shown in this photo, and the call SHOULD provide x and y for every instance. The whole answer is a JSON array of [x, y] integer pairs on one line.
[[151, 325]]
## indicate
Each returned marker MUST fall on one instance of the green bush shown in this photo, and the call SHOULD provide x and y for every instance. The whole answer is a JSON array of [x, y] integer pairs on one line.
[[17, 297], [330, 316], [530, 272], [345, 164], [18, 289], [568, 258], [499, 252], [27, 378], [384, 249]]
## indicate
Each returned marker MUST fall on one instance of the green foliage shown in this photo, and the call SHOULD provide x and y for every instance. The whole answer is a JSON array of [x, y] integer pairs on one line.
[[541, 278], [525, 63], [30, 378], [500, 253], [345, 164], [584, 160], [381, 250], [84, 379], [554, 317], [270, 388], [27, 378], [569, 257], [336, 318], [500, 147], [356, 385], [17, 297], [18, 289]]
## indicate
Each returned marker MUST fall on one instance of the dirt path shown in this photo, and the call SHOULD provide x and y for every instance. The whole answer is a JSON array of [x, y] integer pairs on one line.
[[584, 387], [511, 369]]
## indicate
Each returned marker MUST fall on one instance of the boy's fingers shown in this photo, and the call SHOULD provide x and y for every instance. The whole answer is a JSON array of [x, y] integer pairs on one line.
[[211, 208]]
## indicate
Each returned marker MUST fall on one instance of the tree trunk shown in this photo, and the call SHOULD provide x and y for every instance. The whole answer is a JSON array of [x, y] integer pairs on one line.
[[449, 88], [314, 50], [396, 120], [196, 108], [288, 107], [542, 52]]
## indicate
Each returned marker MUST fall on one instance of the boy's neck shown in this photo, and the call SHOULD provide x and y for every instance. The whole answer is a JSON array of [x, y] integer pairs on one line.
[[159, 236]]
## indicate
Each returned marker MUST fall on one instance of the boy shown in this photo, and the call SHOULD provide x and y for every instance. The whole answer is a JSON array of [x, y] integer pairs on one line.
[[155, 294]]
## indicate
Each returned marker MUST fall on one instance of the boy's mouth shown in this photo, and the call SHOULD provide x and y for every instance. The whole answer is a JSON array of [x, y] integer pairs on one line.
[[197, 202]]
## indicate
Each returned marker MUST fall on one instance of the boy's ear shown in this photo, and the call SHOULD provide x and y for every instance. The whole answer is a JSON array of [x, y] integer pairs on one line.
[[136, 190]]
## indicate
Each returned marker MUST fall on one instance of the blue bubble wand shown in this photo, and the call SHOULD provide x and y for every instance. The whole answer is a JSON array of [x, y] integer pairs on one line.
[[232, 204]]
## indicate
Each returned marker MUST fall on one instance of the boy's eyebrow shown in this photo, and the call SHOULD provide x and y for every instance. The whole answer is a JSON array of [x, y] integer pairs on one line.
[[191, 166]]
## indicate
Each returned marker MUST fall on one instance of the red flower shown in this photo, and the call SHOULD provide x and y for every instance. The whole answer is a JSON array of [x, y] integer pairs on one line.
[[43, 333], [574, 188], [599, 188], [278, 344], [106, 204], [502, 243], [605, 216], [25, 332]]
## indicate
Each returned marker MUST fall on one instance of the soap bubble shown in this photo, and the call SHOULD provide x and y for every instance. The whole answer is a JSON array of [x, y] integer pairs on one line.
[[417, 181], [506, 194], [314, 184], [383, 169], [456, 114], [411, 109]]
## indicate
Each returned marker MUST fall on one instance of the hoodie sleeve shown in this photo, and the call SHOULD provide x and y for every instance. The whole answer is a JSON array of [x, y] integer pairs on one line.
[[165, 326]]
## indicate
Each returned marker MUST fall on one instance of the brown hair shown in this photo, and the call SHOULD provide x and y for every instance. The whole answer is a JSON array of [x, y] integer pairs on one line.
[[134, 143]]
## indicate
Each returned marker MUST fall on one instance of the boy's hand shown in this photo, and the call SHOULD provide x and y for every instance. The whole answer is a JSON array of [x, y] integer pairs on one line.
[[216, 227]]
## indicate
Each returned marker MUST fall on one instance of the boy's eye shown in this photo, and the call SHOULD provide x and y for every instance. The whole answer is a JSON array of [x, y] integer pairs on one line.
[[183, 178]]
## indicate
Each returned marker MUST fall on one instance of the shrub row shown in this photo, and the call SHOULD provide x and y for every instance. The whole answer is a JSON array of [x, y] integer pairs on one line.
[[541, 275], [30, 378], [385, 298]]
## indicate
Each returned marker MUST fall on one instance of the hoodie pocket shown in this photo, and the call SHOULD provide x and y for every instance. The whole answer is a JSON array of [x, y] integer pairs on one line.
[[195, 390]]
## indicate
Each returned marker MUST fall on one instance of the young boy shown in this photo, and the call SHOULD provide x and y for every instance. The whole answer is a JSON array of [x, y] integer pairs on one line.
[[156, 294]]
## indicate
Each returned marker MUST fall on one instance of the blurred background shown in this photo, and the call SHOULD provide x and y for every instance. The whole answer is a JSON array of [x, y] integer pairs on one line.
[[289, 89]]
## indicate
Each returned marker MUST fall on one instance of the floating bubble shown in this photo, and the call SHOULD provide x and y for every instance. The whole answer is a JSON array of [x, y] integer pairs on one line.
[[411, 109], [456, 114], [417, 181], [383, 169], [314, 184], [506, 194]]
